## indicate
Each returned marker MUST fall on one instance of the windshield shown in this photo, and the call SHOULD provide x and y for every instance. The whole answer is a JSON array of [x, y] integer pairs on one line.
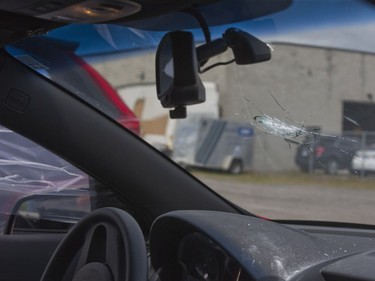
[[291, 138]]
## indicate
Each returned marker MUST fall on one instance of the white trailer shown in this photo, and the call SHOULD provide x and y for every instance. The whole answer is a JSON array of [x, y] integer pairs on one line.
[[214, 143], [156, 126]]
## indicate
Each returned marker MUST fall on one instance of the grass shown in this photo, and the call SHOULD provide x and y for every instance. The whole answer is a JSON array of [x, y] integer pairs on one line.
[[291, 178]]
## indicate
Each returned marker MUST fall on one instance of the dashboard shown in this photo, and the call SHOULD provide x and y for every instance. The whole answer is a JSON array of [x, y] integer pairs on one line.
[[200, 258], [206, 245]]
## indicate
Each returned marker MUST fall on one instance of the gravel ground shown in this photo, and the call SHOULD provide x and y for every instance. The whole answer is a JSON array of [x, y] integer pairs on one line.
[[307, 202]]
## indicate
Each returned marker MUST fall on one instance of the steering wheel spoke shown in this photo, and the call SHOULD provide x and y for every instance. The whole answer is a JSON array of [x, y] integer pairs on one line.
[[106, 245]]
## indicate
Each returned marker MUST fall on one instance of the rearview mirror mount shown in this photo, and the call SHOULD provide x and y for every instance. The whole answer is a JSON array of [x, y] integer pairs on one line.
[[177, 79], [179, 62]]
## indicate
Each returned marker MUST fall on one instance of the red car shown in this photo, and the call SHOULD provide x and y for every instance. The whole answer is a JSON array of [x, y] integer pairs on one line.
[[91, 86]]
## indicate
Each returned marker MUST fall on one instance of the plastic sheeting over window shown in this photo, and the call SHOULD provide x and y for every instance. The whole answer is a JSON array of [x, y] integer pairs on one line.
[[28, 170]]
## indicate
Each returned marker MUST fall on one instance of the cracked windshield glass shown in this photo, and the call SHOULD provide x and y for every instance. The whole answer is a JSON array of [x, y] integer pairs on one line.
[[290, 138], [287, 129]]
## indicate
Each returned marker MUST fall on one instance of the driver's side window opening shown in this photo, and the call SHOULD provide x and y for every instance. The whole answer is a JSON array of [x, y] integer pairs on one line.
[[40, 192]]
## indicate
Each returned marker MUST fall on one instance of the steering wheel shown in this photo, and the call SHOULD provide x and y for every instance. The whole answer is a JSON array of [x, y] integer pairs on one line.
[[106, 245]]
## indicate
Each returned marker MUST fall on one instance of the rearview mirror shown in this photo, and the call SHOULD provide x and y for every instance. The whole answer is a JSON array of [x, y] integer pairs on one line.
[[177, 80]]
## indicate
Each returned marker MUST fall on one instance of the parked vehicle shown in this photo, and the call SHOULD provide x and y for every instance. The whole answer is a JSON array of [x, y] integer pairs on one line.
[[327, 153], [86, 81], [364, 161], [157, 128], [216, 144], [160, 222]]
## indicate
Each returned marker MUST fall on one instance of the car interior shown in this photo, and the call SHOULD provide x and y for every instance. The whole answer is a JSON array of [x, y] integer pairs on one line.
[[148, 218]]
